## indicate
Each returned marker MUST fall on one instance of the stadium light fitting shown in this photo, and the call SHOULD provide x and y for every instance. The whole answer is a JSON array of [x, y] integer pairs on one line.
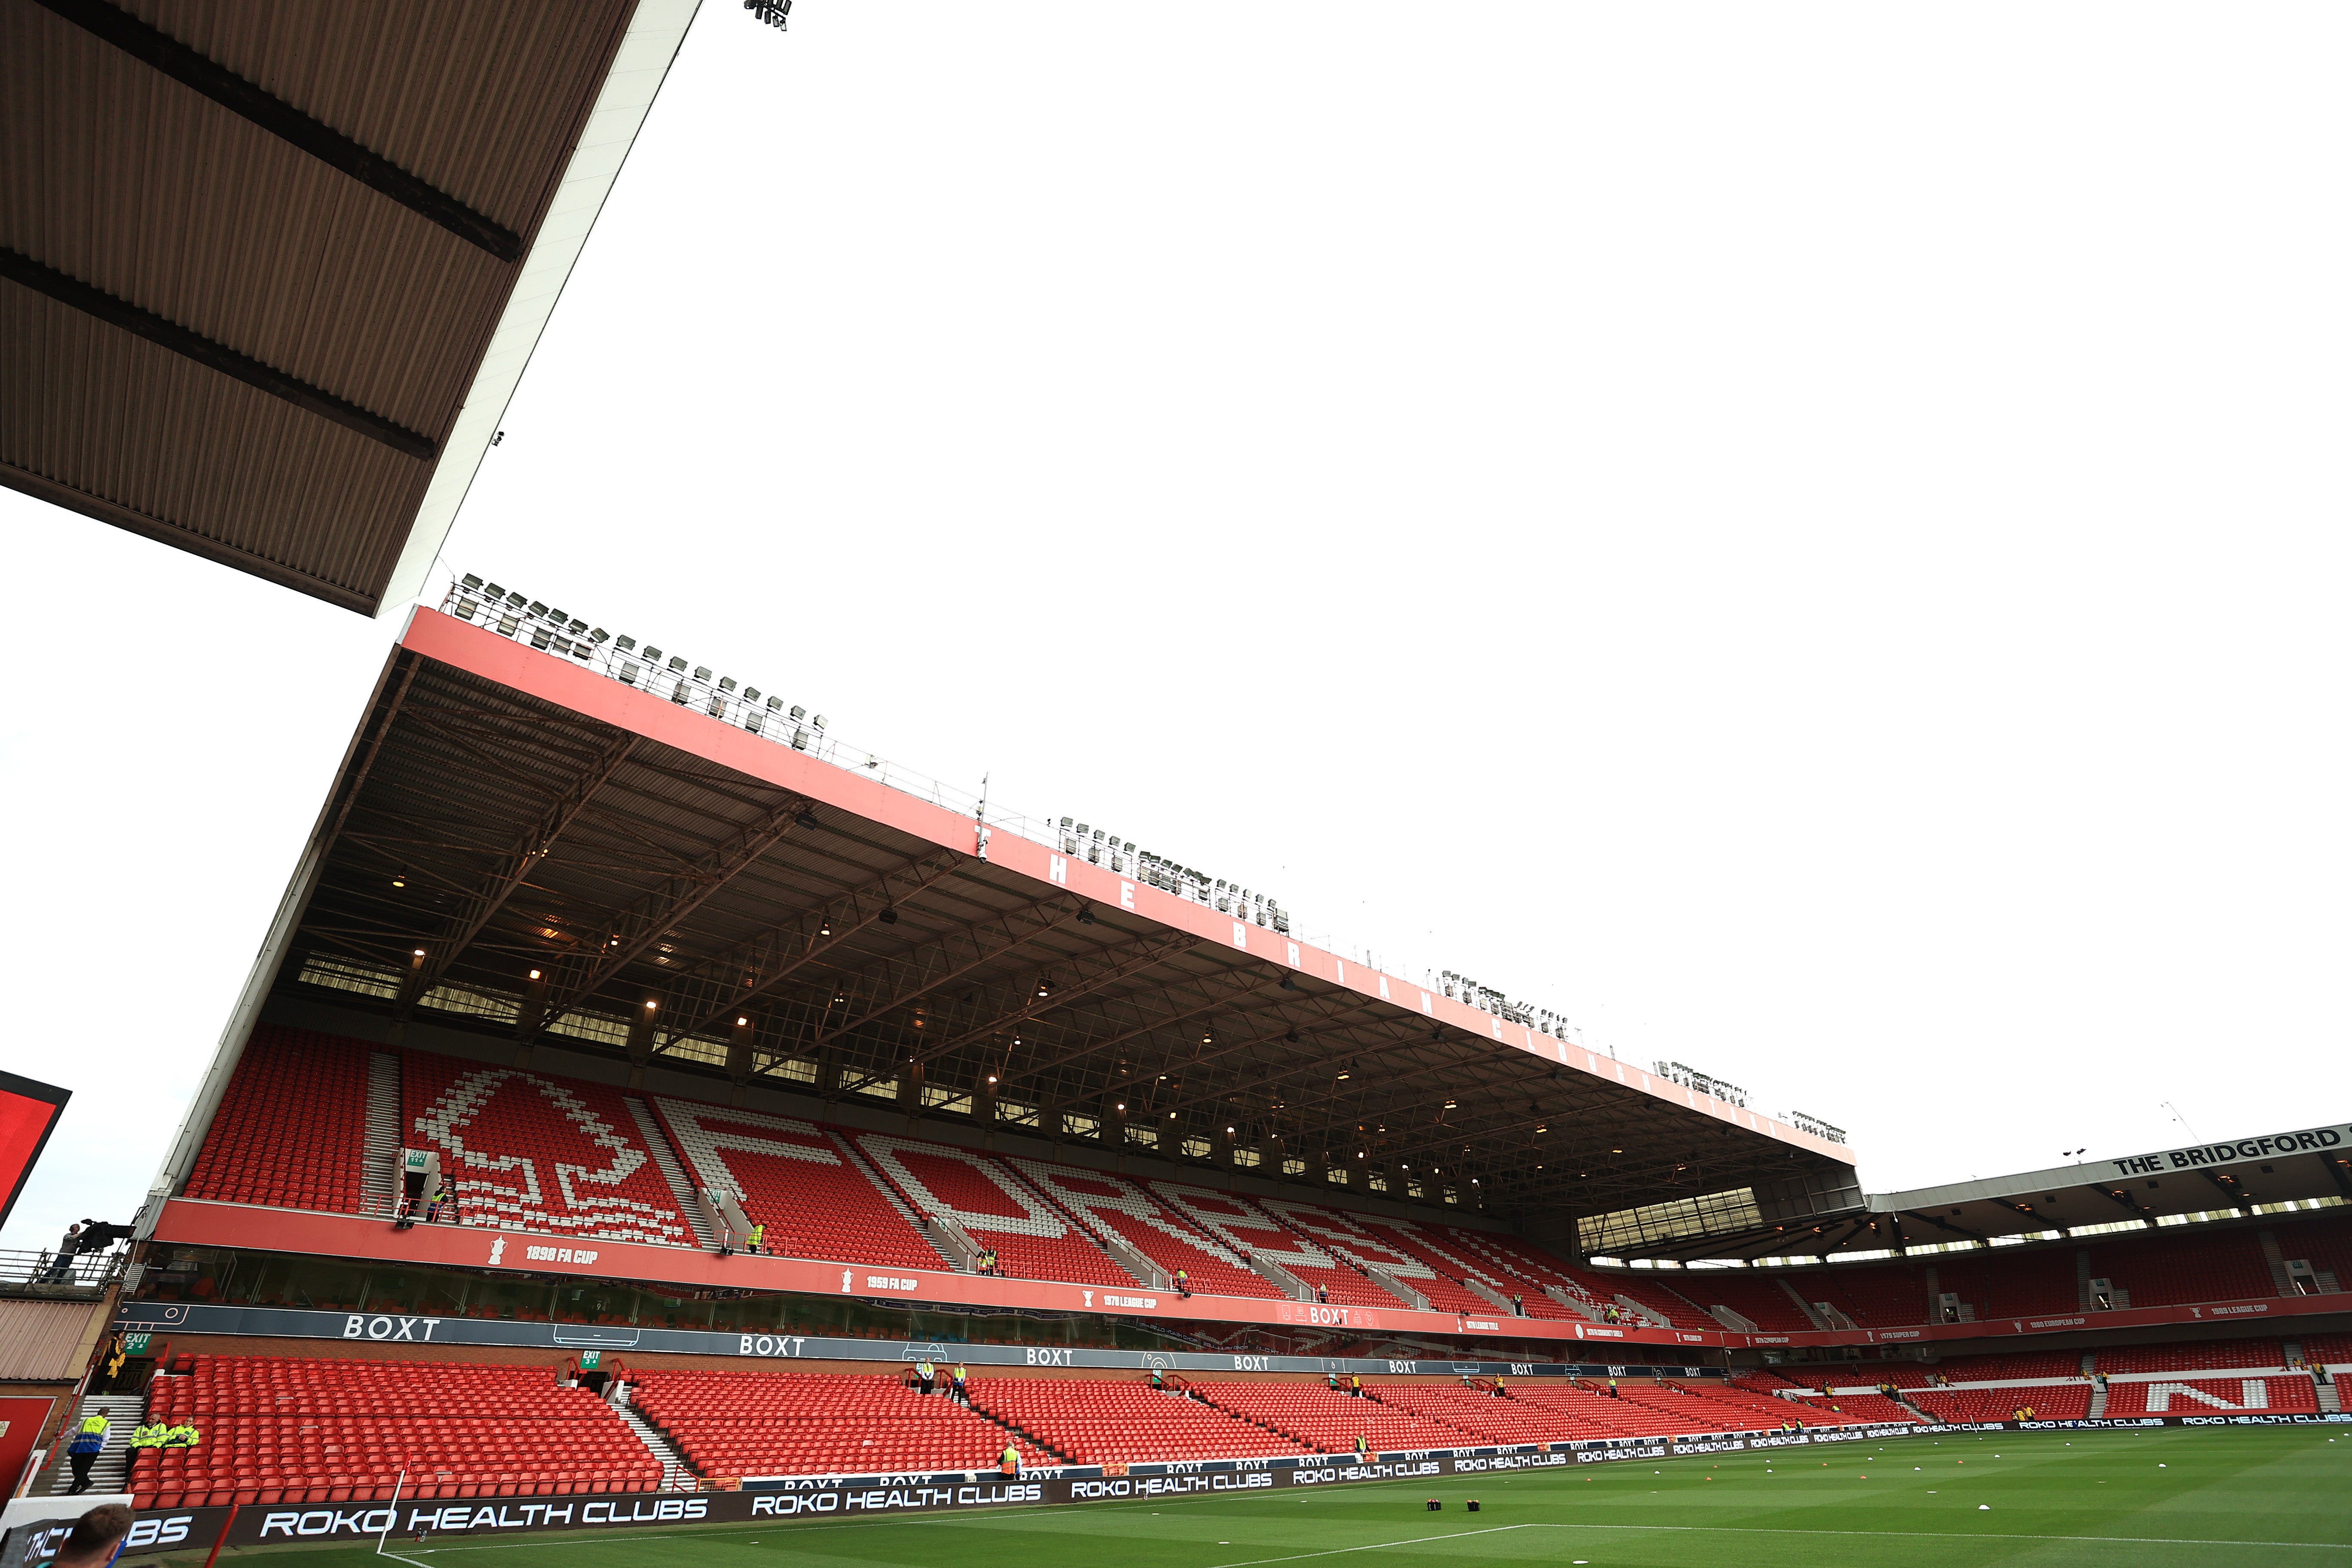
[[651, 1004], [806, 819], [1343, 1076], [535, 975], [825, 927], [741, 1021], [400, 877], [992, 1078], [888, 917]]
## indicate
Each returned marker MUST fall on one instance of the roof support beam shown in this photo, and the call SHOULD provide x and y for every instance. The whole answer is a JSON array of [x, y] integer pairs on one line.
[[163, 53], [962, 951], [1120, 962], [652, 916], [18, 267], [776, 954], [1227, 989], [513, 868]]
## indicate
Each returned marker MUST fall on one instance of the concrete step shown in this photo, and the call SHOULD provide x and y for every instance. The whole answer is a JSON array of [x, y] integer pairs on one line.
[[112, 1472], [657, 1143]]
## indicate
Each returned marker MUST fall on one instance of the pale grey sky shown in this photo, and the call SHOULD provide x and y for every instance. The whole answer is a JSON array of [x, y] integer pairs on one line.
[[1808, 538]]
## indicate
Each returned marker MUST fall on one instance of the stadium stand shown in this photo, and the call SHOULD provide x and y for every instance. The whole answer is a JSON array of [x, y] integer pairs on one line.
[[2325, 1244], [1758, 1298], [1874, 1407], [790, 1177], [2327, 1350], [1676, 1309], [2200, 1395], [2164, 1272], [2003, 1286], [735, 1424], [1531, 1270], [1319, 1419], [995, 1209], [2210, 1355], [323, 1431], [292, 1131], [1875, 1298], [1113, 1205], [1101, 1421], [1480, 1416], [2060, 1402], [1996, 1368], [525, 1152], [1251, 1231]]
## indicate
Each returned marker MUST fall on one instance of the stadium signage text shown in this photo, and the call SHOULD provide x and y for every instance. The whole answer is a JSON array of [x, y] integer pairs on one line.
[[2306, 1143]]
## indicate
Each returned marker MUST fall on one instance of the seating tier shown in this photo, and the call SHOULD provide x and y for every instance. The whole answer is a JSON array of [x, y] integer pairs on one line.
[[292, 1131]]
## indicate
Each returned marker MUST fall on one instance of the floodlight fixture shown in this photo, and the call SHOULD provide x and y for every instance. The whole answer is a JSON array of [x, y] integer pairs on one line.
[[806, 819], [888, 917], [420, 953], [535, 975], [400, 877]]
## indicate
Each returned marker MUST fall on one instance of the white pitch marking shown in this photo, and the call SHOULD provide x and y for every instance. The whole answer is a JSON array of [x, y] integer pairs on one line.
[[1384, 1545]]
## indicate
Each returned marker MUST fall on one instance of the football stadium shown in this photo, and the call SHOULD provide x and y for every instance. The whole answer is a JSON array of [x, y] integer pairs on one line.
[[654, 1126]]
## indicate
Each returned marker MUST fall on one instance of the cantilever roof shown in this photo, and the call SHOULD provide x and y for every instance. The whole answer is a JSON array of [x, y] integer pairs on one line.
[[506, 810], [268, 271]]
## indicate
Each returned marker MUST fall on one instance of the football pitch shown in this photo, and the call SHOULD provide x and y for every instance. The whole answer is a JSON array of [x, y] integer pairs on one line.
[[2211, 1497]]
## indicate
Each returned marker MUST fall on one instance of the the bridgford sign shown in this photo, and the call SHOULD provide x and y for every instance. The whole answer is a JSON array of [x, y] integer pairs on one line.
[[2202, 1156]]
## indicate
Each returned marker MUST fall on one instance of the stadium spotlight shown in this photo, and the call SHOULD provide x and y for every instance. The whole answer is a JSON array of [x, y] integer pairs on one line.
[[806, 819], [1121, 1107], [1343, 1077], [824, 925], [400, 877], [1086, 915], [1288, 984], [992, 1078], [741, 1021], [1045, 986], [420, 953], [888, 917], [651, 1004], [535, 975]]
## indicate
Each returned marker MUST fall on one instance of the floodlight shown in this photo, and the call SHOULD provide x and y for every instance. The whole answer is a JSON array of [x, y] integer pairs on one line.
[[535, 975], [1087, 916], [652, 654], [818, 721], [824, 925], [471, 581], [726, 682], [799, 712], [751, 694], [537, 608], [701, 672], [515, 601], [400, 878], [678, 664], [774, 703], [888, 917], [599, 636], [806, 819], [576, 626]]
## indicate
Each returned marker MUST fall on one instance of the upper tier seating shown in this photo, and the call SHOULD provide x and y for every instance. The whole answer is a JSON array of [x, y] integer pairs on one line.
[[1876, 1296], [523, 1151], [1407, 1254], [2200, 1395], [2324, 1242], [1113, 1205], [735, 1424], [2009, 1285], [1099, 1422], [791, 1176], [1330, 1422], [2068, 1401], [2215, 1354], [1758, 1300], [287, 1430], [2162, 1271], [1666, 1303], [1032, 1239], [292, 1131], [1250, 1231]]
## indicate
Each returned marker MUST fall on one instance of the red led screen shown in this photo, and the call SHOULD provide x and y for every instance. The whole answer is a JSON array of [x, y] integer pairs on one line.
[[28, 1112]]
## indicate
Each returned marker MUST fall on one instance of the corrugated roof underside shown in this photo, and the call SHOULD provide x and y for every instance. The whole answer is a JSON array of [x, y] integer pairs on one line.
[[126, 180]]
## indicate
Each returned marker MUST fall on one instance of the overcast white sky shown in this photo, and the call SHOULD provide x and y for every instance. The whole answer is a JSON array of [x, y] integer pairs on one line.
[[1809, 538]]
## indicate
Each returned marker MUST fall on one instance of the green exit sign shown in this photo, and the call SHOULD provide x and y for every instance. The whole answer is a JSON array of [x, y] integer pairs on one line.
[[135, 1344], [417, 1159], [589, 1359]]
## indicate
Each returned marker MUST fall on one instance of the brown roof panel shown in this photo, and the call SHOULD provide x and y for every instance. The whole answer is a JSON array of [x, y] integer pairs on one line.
[[219, 335]]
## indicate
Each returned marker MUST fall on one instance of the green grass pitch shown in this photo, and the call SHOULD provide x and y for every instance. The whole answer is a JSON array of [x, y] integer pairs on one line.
[[2149, 1499]]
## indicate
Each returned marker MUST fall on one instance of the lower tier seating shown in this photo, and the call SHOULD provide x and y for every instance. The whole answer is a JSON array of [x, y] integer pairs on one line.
[[1319, 1419], [287, 1430], [734, 1424], [1108, 1422], [1853, 1408], [2207, 1396], [2060, 1402]]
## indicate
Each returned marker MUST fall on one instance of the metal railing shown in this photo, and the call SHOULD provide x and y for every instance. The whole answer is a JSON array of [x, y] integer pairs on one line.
[[64, 1273]]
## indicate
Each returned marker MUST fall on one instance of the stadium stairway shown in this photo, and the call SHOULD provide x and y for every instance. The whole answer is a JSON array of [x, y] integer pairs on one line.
[[897, 1200], [657, 1143], [379, 1193], [112, 1472], [677, 1476]]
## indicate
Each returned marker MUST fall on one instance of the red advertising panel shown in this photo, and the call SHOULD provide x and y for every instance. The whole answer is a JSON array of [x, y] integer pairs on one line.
[[28, 1112]]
